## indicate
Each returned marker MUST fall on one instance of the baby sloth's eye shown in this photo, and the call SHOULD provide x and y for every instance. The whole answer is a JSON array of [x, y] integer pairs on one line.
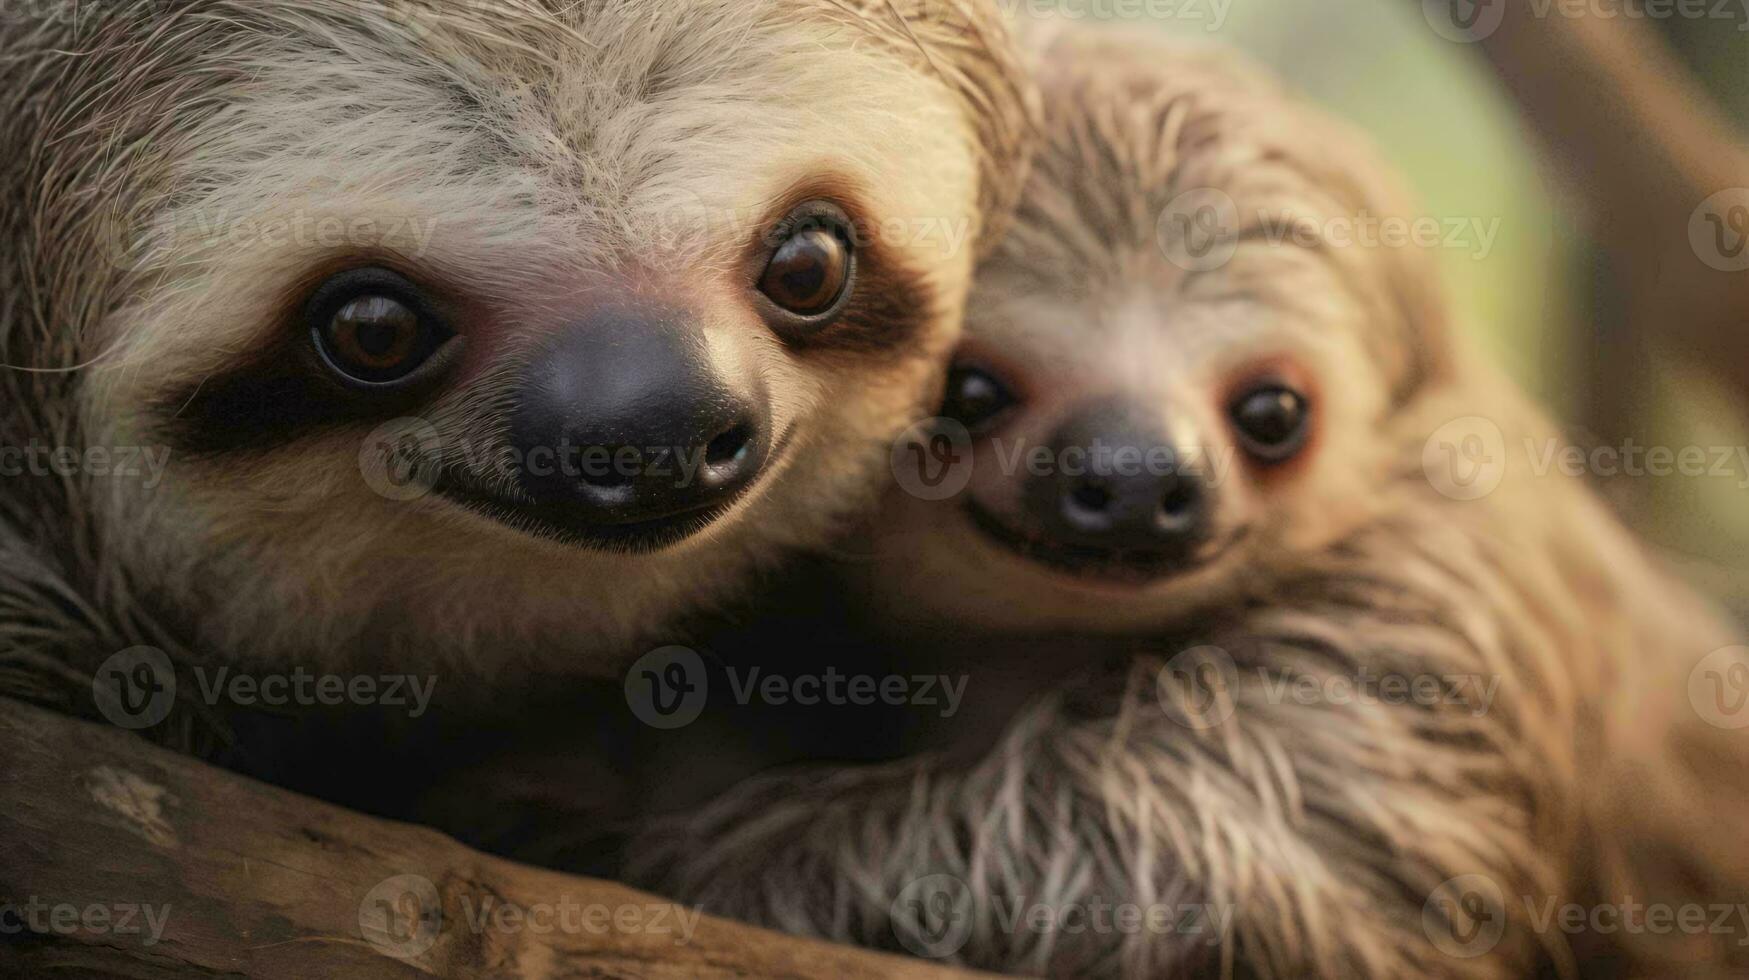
[[372, 327], [975, 399], [1272, 421], [810, 271]]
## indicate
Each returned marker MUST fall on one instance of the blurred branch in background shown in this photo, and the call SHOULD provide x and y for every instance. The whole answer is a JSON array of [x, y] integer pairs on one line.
[[1664, 180]]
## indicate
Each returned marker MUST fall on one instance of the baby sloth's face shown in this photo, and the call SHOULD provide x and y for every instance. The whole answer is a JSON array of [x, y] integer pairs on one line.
[[1178, 379], [517, 327]]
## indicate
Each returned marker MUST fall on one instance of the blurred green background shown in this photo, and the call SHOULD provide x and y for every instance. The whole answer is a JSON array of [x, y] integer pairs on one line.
[[1441, 116]]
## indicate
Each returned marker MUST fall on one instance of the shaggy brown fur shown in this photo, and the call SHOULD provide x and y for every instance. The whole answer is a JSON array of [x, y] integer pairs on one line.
[[1319, 833], [526, 155]]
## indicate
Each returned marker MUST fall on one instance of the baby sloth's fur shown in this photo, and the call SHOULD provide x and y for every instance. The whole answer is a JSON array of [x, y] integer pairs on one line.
[[1325, 827], [178, 175]]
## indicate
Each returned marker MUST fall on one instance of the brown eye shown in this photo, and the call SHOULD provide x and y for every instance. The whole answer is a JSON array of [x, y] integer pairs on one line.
[[810, 271], [1272, 421], [372, 328], [374, 333], [975, 398]]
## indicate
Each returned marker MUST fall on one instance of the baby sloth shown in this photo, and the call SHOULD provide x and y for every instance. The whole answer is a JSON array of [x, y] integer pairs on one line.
[[1359, 707], [472, 335]]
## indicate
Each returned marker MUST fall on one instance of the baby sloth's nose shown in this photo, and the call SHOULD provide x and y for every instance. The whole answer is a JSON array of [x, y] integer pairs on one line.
[[1118, 485], [624, 419]]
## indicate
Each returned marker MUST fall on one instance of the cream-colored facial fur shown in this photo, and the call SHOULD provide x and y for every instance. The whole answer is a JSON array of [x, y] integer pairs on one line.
[[188, 172], [1097, 294], [1563, 759]]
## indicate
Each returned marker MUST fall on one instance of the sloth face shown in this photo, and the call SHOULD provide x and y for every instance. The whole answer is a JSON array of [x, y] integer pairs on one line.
[[1177, 382], [495, 328]]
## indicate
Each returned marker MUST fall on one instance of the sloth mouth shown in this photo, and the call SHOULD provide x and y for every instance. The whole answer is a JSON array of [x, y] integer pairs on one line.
[[1120, 566], [562, 523]]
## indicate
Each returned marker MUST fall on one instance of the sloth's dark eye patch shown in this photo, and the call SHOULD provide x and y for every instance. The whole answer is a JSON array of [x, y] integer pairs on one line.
[[1272, 421], [364, 344], [811, 271], [373, 327], [976, 398]]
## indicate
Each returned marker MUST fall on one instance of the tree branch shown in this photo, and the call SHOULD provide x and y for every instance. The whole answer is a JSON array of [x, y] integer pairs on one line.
[[1630, 130], [121, 859]]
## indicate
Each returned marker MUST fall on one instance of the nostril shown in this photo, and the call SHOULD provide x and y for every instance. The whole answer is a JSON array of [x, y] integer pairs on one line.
[[1092, 497], [731, 447], [1087, 507], [1180, 505]]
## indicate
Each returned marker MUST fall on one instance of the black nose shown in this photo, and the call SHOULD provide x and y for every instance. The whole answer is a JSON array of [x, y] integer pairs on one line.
[[623, 420], [1118, 485]]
